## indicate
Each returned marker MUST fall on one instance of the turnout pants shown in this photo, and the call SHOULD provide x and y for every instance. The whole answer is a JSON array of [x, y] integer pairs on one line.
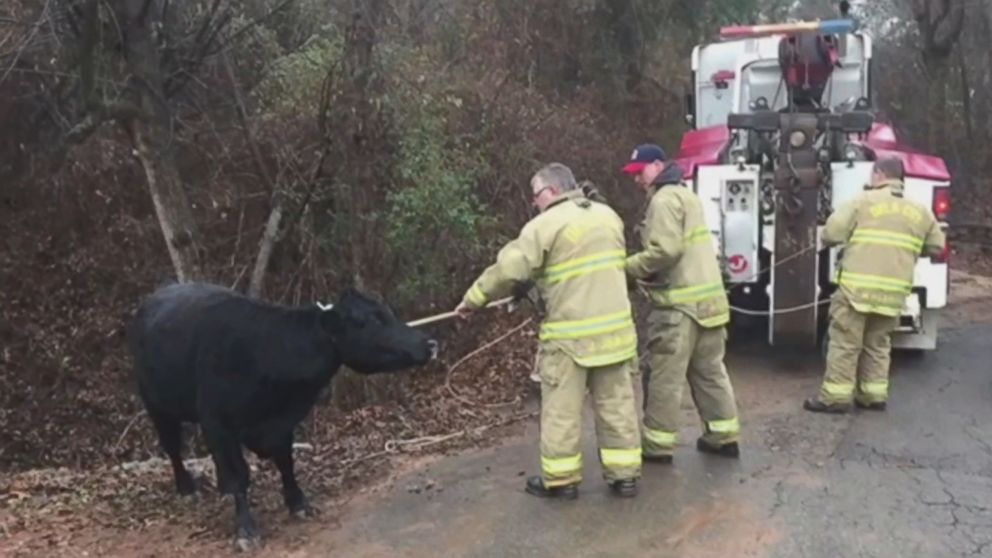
[[563, 391], [858, 354], [681, 349]]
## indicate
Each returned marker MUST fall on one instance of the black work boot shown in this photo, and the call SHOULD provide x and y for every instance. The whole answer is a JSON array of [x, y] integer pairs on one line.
[[817, 406], [874, 406], [725, 450], [535, 486], [624, 488], [662, 459]]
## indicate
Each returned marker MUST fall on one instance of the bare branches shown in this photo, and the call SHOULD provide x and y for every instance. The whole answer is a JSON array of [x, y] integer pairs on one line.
[[190, 54], [258, 21], [940, 22], [19, 52]]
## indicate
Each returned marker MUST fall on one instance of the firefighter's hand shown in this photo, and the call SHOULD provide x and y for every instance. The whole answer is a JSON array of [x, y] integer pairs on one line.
[[463, 310]]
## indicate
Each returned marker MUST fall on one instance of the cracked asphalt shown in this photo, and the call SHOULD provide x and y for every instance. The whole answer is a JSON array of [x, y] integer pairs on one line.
[[913, 481]]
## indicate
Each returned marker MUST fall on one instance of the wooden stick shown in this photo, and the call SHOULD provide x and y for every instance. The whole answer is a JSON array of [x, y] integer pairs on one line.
[[448, 315]]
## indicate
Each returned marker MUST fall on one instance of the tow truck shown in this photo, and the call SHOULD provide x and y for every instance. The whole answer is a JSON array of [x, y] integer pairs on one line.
[[783, 130]]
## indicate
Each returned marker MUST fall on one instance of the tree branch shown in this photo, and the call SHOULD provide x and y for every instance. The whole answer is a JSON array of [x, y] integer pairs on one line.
[[251, 25], [27, 41]]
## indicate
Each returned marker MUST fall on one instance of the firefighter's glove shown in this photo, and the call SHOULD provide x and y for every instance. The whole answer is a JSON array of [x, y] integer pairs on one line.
[[520, 291]]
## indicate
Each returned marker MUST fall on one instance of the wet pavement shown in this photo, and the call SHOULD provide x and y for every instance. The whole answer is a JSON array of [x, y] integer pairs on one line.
[[913, 481]]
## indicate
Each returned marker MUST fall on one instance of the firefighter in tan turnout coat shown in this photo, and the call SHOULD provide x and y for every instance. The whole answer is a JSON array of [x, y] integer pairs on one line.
[[574, 252], [678, 265], [883, 234]]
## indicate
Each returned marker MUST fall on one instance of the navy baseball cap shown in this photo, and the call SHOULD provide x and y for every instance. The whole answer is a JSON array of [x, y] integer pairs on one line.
[[643, 155]]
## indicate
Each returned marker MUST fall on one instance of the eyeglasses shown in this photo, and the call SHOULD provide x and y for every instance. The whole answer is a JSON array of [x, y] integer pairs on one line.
[[539, 192]]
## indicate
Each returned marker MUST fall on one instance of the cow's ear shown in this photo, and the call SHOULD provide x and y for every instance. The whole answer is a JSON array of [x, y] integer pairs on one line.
[[331, 321]]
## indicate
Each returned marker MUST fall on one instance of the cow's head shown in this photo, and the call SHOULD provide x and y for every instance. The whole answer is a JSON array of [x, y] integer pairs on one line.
[[370, 338]]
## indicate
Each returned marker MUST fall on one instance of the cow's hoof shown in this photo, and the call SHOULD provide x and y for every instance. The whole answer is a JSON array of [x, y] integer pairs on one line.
[[247, 543], [304, 511]]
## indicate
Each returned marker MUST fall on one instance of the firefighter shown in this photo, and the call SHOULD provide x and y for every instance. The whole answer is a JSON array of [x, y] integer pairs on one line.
[[883, 234], [574, 251], [686, 327]]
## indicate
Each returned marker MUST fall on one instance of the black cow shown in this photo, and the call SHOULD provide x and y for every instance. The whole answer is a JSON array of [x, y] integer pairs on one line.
[[248, 372]]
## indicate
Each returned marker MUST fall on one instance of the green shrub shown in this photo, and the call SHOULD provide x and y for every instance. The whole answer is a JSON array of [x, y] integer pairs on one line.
[[436, 225]]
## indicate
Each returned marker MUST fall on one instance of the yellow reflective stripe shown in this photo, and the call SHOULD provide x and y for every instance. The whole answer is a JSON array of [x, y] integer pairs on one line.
[[620, 457], [661, 437], [608, 358], [891, 311], [851, 282], [877, 282], [887, 238], [877, 278], [886, 242], [578, 262], [879, 388], [838, 389], [714, 321], [577, 329], [890, 235], [686, 295], [614, 259], [725, 426], [557, 466], [585, 270], [476, 296], [697, 235]]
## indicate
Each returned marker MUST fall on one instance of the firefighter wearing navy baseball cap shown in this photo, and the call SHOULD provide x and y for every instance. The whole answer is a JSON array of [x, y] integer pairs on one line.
[[678, 269]]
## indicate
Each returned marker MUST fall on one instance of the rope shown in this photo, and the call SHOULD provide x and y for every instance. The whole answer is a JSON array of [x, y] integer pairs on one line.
[[451, 369], [642, 285], [761, 272], [394, 445], [782, 311]]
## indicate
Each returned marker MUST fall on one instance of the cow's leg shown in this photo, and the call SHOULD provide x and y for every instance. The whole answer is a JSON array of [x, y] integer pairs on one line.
[[233, 478], [170, 437], [296, 501]]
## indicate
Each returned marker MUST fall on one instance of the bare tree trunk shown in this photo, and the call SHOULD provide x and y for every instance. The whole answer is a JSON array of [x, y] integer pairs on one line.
[[940, 23], [154, 141], [171, 205], [966, 95], [937, 126], [983, 81], [270, 236]]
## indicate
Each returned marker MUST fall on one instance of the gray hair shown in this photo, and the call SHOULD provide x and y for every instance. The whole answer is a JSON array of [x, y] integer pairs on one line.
[[890, 167], [555, 174]]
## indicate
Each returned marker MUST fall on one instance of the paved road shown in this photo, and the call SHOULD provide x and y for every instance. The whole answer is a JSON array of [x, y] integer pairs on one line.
[[915, 481]]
